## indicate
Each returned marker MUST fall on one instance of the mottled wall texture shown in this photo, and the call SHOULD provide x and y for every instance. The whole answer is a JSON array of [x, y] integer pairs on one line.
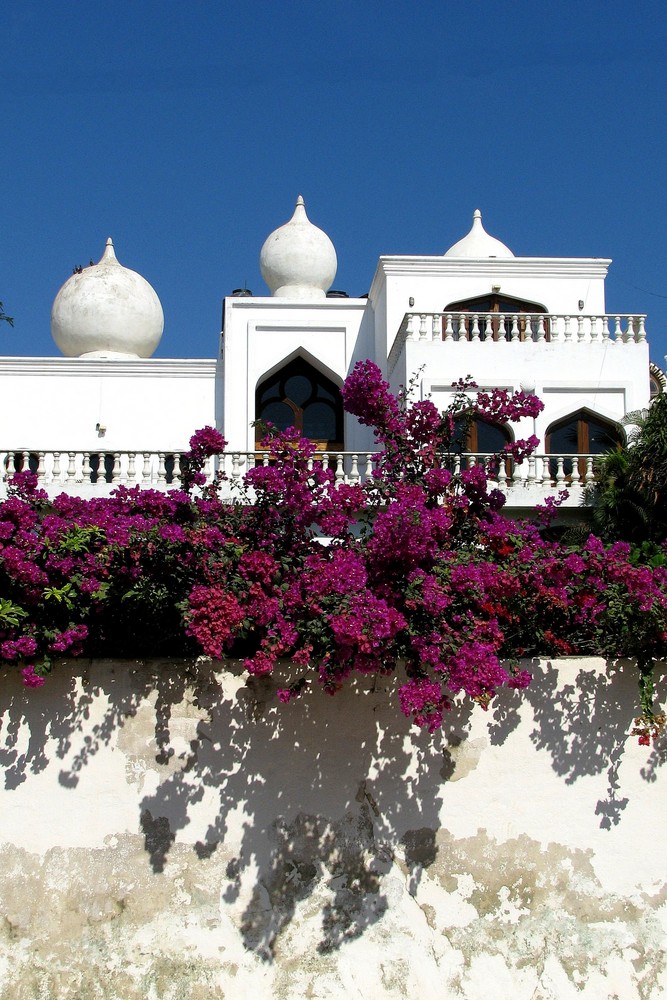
[[170, 831]]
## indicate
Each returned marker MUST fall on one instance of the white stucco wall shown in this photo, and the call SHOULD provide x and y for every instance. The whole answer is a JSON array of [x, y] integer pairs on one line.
[[168, 830], [261, 334], [151, 404]]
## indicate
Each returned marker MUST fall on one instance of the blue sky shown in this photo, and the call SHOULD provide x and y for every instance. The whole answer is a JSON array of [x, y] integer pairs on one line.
[[185, 130]]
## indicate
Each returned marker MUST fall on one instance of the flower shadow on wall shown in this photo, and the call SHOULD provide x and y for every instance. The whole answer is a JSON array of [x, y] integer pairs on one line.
[[302, 808]]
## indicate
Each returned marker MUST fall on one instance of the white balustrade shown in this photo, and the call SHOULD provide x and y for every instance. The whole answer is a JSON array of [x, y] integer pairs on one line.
[[521, 327], [88, 473]]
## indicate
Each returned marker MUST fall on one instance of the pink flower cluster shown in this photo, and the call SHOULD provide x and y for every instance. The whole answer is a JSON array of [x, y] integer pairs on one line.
[[422, 576]]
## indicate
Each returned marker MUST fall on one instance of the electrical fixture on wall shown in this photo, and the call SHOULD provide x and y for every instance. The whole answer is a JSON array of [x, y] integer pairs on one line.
[[495, 288], [411, 301], [581, 304], [101, 429]]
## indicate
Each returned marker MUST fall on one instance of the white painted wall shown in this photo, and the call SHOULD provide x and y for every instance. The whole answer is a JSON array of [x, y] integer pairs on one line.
[[168, 830], [151, 404]]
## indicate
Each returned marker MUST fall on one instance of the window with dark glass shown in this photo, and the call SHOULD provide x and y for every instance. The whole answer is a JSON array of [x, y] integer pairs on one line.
[[300, 396], [495, 305], [582, 433]]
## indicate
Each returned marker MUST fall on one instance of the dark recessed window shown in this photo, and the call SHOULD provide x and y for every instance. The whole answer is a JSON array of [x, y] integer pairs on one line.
[[300, 396]]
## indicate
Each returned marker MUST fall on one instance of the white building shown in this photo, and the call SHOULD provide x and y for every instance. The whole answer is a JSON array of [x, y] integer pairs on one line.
[[111, 413]]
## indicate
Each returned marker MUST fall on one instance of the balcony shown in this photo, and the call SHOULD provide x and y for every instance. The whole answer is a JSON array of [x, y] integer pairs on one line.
[[89, 474], [516, 329]]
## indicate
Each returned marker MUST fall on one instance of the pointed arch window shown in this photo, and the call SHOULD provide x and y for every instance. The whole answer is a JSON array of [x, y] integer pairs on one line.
[[300, 396], [506, 318], [483, 438], [582, 433]]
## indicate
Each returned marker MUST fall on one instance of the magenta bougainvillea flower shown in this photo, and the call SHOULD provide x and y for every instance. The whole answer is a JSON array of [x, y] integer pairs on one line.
[[422, 576]]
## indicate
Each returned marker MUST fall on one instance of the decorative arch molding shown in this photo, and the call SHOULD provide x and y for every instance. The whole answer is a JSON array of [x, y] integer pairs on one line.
[[311, 359], [577, 406]]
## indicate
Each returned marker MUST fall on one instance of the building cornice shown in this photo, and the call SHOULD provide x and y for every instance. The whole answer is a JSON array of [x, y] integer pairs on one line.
[[111, 368], [520, 267]]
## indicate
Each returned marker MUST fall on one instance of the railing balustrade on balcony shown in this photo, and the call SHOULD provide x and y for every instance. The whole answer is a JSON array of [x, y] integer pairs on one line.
[[517, 328], [88, 473]]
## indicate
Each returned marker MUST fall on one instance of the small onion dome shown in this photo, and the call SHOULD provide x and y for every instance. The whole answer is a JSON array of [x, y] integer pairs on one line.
[[478, 243], [107, 311], [298, 260]]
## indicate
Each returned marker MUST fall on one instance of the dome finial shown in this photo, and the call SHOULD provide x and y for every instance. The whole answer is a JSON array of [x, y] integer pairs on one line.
[[109, 252]]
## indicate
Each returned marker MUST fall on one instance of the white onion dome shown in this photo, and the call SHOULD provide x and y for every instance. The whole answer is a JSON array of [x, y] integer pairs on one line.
[[107, 311], [298, 260], [478, 243]]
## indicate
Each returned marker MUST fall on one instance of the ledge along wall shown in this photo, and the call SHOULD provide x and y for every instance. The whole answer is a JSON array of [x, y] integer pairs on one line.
[[169, 830]]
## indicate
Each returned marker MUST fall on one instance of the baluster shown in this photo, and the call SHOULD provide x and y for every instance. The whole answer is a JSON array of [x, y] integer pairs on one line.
[[475, 327], [56, 467], [176, 475], [354, 469], [594, 328], [423, 335], [71, 467], [581, 335], [605, 329], [516, 333], [568, 329], [555, 332], [531, 477], [488, 328], [560, 472], [436, 326], [412, 333], [503, 332], [85, 468], [540, 328], [236, 466], [40, 467], [122, 471], [457, 465], [115, 470], [502, 474], [641, 330], [575, 475], [463, 333], [369, 468], [449, 327], [516, 474], [618, 333], [131, 468], [589, 475], [339, 475], [161, 469], [146, 471]]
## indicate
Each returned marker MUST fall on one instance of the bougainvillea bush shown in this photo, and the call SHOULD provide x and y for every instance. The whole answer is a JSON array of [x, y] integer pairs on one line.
[[415, 572]]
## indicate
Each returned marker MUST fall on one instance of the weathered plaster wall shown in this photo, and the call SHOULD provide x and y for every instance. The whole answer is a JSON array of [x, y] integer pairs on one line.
[[169, 831]]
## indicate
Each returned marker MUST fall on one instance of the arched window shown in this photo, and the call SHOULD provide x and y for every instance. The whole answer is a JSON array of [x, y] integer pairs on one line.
[[506, 318], [582, 433], [300, 396], [481, 436]]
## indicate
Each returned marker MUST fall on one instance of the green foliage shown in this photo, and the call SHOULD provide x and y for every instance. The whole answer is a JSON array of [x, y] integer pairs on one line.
[[630, 497], [10, 613]]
